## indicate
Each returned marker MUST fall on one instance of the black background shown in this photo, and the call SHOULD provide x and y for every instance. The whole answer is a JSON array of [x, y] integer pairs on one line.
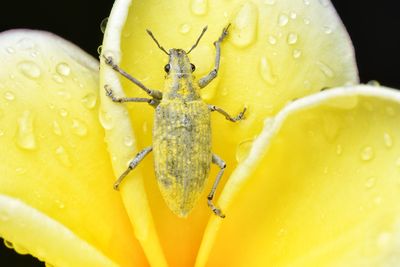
[[374, 27]]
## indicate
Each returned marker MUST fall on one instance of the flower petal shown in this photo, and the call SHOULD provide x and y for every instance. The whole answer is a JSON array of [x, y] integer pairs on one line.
[[276, 51], [320, 187], [56, 198]]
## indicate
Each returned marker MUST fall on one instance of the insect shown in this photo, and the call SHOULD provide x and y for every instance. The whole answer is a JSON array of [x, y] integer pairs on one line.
[[181, 131]]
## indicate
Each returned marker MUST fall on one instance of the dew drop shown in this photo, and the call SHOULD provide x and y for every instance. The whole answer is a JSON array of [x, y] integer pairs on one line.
[[387, 138], [367, 153], [63, 156], [63, 112], [370, 182], [64, 94], [60, 204], [9, 96], [327, 30], [63, 69], [245, 25], [307, 85], [243, 150], [1, 133], [283, 20], [79, 128], [29, 69], [293, 15], [89, 100], [398, 162], [306, 2], [199, 7], [296, 53], [20, 171], [106, 120], [374, 83], [25, 44], [265, 70], [99, 49], [25, 137], [103, 25], [339, 150], [306, 21], [184, 28], [56, 128], [8, 244], [324, 3], [271, 39], [326, 70], [291, 38], [20, 249], [270, 2], [57, 78], [10, 50], [128, 140]]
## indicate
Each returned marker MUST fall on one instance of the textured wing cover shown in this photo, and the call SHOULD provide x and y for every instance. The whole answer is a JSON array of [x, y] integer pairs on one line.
[[182, 152]]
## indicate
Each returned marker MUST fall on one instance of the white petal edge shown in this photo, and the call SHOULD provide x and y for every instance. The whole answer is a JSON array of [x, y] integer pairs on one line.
[[44, 228], [260, 147]]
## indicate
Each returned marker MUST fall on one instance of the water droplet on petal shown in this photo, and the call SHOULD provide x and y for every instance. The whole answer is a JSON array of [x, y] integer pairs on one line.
[[63, 69], [327, 30], [25, 137], [79, 128], [199, 7], [326, 70], [398, 162], [128, 140], [387, 138], [25, 44], [106, 120], [370, 182], [324, 3], [184, 28], [374, 83], [9, 96], [265, 70], [57, 78], [89, 100], [64, 94], [243, 150], [63, 112], [306, 2], [56, 128], [339, 150], [145, 127], [20, 171], [292, 38], [272, 39], [10, 50], [296, 53], [99, 49], [270, 2], [306, 21], [367, 153], [283, 20], [103, 25], [245, 25], [29, 69], [293, 15], [1, 133], [63, 156], [8, 244]]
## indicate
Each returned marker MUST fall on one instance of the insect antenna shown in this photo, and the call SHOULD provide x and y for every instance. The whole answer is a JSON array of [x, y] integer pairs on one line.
[[198, 40], [155, 40]]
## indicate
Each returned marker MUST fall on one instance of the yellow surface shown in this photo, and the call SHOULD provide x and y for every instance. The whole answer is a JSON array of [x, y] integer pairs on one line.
[[320, 188], [276, 51], [56, 196]]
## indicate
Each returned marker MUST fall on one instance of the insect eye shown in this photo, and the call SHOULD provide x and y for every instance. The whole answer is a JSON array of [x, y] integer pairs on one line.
[[167, 68], [193, 67]]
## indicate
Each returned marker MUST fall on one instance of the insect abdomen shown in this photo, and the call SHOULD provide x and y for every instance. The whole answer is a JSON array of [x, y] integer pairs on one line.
[[182, 152]]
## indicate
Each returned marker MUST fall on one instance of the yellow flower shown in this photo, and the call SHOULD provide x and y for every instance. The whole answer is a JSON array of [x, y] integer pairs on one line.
[[309, 182]]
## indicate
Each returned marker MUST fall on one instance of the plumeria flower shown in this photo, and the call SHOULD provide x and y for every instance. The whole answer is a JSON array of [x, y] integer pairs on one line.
[[312, 175]]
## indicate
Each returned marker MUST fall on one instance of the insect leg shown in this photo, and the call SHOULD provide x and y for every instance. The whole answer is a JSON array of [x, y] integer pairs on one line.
[[203, 82], [239, 117], [109, 92], [138, 158], [221, 164], [154, 93]]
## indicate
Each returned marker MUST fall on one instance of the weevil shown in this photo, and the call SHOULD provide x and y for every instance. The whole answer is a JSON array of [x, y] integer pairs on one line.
[[181, 130]]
